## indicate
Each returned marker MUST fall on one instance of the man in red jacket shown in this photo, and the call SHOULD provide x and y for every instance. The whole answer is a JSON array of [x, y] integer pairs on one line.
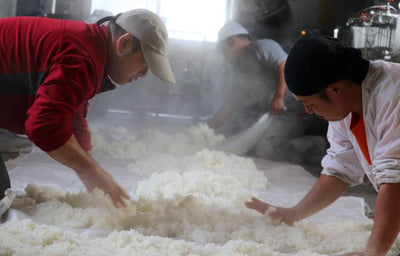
[[49, 69]]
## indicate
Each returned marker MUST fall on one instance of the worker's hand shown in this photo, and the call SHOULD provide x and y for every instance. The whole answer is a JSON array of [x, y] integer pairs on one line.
[[277, 106], [286, 215], [102, 180]]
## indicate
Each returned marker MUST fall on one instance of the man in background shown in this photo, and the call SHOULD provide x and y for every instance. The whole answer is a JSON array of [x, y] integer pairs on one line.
[[253, 84]]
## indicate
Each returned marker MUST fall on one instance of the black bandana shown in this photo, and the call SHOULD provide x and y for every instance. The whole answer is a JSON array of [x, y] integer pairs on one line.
[[317, 61]]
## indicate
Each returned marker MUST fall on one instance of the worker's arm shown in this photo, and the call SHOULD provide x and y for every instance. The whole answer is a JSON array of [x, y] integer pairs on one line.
[[277, 104], [325, 191], [387, 219], [68, 85], [386, 222], [386, 173], [80, 127], [91, 174]]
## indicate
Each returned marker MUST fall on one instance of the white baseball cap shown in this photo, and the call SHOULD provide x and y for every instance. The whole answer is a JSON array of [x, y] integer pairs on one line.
[[153, 36], [231, 28]]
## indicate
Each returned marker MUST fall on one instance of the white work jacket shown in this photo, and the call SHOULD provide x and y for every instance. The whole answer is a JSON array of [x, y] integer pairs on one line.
[[381, 110]]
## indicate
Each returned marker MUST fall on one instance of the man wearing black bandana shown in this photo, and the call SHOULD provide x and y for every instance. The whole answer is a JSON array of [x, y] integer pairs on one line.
[[361, 101]]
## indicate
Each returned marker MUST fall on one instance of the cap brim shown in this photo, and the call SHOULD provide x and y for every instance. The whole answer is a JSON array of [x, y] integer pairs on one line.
[[158, 64]]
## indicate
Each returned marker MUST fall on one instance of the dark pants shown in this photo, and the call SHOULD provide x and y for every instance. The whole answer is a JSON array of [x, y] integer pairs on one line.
[[4, 179]]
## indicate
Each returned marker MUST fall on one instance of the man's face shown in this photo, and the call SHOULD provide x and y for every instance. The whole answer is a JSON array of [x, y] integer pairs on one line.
[[128, 67], [234, 48], [325, 105], [125, 66]]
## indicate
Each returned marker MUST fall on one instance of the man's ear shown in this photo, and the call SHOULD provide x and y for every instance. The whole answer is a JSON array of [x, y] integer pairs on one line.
[[336, 87], [124, 44]]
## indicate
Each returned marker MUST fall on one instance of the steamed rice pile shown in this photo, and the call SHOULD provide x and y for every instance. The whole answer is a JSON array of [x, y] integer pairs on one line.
[[191, 203]]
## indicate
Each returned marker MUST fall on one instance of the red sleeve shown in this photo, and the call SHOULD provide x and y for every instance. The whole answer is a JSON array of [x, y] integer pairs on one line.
[[65, 89], [80, 127]]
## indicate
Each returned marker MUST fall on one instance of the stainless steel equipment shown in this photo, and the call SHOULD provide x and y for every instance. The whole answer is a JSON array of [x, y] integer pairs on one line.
[[376, 31]]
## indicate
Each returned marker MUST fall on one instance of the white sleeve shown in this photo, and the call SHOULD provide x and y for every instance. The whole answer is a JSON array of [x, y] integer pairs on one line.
[[341, 160], [386, 163]]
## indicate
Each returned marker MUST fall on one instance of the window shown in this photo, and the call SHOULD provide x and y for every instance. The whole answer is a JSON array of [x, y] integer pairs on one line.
[[197, 20]]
